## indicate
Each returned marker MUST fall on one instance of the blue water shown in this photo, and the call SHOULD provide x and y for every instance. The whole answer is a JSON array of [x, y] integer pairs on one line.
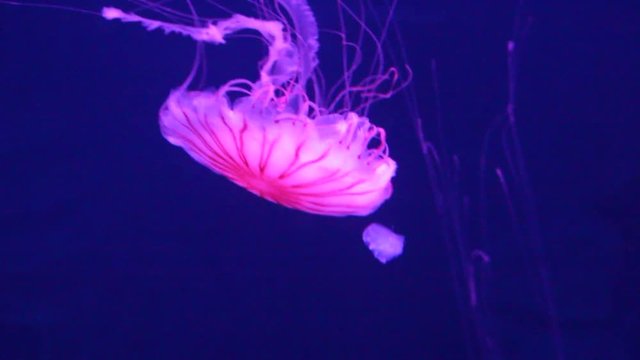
[[116, 245]]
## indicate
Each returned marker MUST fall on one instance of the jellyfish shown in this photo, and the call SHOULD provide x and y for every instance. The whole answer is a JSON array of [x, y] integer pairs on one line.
[[385, 245], [274, 139]]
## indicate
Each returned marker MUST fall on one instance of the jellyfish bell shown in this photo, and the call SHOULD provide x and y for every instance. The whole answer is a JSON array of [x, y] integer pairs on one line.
[[273, 139], [322, 167]]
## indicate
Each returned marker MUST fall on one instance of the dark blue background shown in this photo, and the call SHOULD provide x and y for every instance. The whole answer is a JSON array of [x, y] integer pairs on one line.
[[116, 245]]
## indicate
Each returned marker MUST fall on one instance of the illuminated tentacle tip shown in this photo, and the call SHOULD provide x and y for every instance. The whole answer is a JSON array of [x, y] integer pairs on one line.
[[383, 243], [111, 13]]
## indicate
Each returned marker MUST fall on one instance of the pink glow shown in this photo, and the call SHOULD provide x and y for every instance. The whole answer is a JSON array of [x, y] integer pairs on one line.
[[273, 140]]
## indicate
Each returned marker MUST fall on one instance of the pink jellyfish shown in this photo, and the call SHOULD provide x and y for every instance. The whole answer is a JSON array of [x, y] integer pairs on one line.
[[273, 139]]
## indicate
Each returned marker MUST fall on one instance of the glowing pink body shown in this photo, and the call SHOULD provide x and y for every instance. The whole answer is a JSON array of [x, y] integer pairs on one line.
[[322, 167]]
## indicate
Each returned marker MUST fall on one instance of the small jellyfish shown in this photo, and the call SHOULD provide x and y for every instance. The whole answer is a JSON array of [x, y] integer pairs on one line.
[[383, 243]]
